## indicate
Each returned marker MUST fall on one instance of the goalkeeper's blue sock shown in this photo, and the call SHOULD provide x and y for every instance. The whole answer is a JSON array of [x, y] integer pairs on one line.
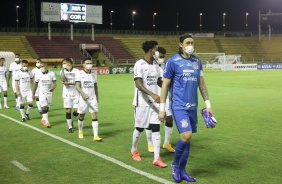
[[180, 146], [184, 158]]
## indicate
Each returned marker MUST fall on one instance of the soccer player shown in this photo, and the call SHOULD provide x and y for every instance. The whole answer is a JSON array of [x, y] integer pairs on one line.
[[146, 98], [46, 84], [35, 71], [3, 83], [183, 75], [14, 68], [86, 85], [70, 94], [168, 120], [23, 79]]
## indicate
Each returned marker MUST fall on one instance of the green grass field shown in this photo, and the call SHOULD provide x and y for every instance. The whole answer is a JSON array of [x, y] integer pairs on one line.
[[245, 146]]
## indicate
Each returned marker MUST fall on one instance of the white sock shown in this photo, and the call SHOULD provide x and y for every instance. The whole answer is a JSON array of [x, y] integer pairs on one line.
[[149, 136], [135, 139], [95, 128], [5, 101], [28, 109], [22, 113], [80, 125], [38, 106], [18, 101], [168, 133], [69, 121], [156, 137]]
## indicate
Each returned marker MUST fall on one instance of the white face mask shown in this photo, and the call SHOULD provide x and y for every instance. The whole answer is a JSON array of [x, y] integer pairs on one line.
[[42, 70], [156, 55], [160, 61], [189, 50], [88, 67], [24, 68], [17, 59], [37, 65], [64, 65]]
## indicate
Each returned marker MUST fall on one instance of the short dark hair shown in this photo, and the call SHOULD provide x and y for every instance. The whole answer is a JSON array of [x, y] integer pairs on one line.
[[68, 60], [86, 60], [147, 45], [25, 61], [162, 50], [17, 55], [184, 36]]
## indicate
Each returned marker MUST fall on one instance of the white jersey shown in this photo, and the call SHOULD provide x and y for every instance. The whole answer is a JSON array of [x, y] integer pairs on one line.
[[69, 91], [44, 81], [149, 73], [87, 81], [2, 74], [14, 68], [24, 79], [35, 71]]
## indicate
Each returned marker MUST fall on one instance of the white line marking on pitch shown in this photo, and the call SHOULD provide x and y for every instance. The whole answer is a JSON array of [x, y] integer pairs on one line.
[[124, 165], [20, 166]]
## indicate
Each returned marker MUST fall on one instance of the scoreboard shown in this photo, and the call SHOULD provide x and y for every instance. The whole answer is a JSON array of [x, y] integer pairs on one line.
[[69, 12]]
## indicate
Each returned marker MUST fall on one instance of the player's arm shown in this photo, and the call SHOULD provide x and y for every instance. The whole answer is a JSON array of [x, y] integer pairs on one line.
[[204, 92], [34, 88], [17, 87], [164, 91], [54, 85], [141, 87], [78, 88], [96, 91], [9, 76]]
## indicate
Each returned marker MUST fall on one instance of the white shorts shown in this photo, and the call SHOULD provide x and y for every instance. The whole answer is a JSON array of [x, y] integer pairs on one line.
[[14, 85], [45, 99], [145, 115], [36, 92], [90, 105], [25, 97], [3, 86], [70, 103]]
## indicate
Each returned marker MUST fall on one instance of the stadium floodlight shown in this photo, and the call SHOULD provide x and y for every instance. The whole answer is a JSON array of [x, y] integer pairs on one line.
[[133, 13], [247, 21], [111, 19], [201, 22], [154, 25], [17, 14], [224, 14], [177, 26]]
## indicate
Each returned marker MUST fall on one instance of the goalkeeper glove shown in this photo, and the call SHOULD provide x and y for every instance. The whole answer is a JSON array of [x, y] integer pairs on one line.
[[210, 121]]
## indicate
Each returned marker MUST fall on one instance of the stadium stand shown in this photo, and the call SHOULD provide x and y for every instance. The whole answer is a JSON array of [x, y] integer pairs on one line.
[[16, 44]]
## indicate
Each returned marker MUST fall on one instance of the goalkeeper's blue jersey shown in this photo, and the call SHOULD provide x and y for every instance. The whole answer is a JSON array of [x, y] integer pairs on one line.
[[185, 78]]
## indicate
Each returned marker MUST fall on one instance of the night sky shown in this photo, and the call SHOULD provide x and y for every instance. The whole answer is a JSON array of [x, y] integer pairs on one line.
[[166, 18]]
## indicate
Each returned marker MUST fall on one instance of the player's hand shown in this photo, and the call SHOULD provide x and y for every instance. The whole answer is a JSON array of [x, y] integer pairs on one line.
[[52, 89], [156, 98], [85, 96], [162, 116], [210, 121]]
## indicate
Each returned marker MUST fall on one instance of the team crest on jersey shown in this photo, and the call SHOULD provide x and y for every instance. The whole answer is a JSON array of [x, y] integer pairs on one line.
[[184, 123], [195, 65]]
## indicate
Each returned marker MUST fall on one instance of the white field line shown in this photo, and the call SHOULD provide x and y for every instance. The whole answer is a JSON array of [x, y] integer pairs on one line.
[[20, 166], [115, 161]]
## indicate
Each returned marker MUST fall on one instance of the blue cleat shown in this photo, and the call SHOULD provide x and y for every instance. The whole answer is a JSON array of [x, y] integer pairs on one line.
[[40, 111], [175, 173], [185, 176], [17, 108]]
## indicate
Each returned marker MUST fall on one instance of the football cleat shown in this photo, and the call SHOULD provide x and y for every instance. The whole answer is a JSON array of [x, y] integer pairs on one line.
[[80, 135], [47, 124], [186, 177], [159, 163], [97, 138], [17, 108], [151, 148], [136, 156], [23, 120], [40, 111], [168, 148], [175, 173], [71, 130], [6, 107], [27, 116]]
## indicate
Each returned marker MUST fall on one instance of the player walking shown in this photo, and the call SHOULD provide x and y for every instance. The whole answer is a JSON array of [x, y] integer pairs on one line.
[[3, 83]]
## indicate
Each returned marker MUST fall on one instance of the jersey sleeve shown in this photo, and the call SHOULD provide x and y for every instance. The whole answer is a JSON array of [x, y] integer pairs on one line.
[[53, 76], [77, 76], [17, 76], [169, 69], [138, 72]]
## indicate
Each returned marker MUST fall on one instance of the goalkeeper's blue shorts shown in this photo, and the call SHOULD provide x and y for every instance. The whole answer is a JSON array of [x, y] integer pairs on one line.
[[185, 120]]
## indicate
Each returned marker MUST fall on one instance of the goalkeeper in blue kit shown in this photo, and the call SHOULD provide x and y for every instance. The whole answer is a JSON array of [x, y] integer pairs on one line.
[[183, 75]]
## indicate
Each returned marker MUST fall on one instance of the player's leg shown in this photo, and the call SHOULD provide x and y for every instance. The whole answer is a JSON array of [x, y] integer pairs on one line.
[[75, 106], [95, 126], [82, 109], [16, 97], [156, 138], [22, 111], [68, 107], [30, 105], [0, 99], [168, 132], [149, 139], [6, 100]]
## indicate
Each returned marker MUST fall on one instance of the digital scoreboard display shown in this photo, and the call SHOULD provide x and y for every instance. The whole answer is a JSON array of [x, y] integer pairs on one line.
[[73, 12]]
